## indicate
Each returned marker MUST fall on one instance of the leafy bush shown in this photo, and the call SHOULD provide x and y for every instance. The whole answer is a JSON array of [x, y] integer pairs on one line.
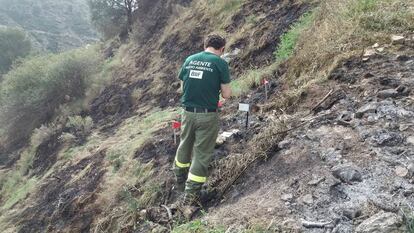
[[80, 126], [30, 93], [13, 45]]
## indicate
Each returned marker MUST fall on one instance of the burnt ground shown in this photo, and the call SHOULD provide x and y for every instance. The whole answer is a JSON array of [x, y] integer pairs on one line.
[[112, 105], [66, 200], [298, 181], [365, 124], [345, 165], [271, 20], [46, 154], [65, 203]]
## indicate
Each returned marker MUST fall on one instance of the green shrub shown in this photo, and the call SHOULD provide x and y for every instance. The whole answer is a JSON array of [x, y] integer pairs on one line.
[[132, 203], [116, 159], [40, 135], [289, 39], [13, 45], [30, 93], [80, 126]]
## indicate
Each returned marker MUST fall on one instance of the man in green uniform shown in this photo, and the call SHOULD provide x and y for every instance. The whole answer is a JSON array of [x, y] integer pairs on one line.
[[203, 77]]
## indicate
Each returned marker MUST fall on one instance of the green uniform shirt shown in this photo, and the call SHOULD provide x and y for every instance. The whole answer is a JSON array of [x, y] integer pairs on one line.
[[202, 74]]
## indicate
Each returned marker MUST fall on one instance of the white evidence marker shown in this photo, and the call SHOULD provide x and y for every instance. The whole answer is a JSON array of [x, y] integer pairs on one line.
[[245, 108]]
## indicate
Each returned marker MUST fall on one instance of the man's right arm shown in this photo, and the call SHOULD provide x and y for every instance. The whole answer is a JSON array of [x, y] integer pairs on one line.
[[224, 79], [225, 91]]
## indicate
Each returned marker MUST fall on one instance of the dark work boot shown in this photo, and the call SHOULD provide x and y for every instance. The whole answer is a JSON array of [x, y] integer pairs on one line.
[[189, 206], [190, 201], [179, 187], [207, 195], [180, 178]]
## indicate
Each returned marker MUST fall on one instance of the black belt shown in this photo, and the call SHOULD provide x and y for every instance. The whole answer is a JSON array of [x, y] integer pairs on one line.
[[199, 110]]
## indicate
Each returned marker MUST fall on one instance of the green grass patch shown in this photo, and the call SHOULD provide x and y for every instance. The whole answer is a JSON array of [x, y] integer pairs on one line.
[[410, 224], [408, 214], [16, 189], [139, 183], [116, 160], [136, 130], [289, 40], [198, 226], [251, 79]]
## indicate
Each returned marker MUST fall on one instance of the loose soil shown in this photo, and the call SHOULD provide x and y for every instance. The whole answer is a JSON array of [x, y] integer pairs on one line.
[[297, 183]]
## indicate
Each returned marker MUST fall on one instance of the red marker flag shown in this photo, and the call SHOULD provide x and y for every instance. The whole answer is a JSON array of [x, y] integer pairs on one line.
[[176, 124], [265, 82]]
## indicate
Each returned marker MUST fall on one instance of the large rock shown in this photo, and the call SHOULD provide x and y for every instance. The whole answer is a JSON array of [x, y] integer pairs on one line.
[[386, 138], [368, 108], [410, 140], [389, 93], [411, 169], [397, 39], [382, 222], [307, 199], [352, 212], [287, 197], [347, 173], [401, 171], [223, 137]]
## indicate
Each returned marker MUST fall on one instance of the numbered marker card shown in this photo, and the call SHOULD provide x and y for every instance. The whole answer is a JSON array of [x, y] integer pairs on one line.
[[245, 108]]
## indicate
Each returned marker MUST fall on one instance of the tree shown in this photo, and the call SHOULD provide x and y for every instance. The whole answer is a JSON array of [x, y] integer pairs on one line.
[[108, 15], [13, 45]]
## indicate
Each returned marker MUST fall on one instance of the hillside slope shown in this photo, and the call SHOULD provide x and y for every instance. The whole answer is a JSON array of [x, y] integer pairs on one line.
[[348, 166], [329, 151], [52, 25]]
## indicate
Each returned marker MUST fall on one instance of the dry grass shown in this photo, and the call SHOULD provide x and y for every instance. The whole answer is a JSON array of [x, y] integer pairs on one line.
[[251, 79], [220, 11], [342, 29], [338, 30], [16, 184], [132, 186], [227, 170]]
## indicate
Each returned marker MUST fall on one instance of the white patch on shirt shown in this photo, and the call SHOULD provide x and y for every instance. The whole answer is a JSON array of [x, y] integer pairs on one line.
[[196, 74]]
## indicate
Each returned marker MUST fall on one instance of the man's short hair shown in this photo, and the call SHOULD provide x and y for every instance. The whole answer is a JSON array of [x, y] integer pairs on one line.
[[215, 41]]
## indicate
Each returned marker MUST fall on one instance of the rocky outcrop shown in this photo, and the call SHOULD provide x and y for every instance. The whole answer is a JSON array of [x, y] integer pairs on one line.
[[382, 222]]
